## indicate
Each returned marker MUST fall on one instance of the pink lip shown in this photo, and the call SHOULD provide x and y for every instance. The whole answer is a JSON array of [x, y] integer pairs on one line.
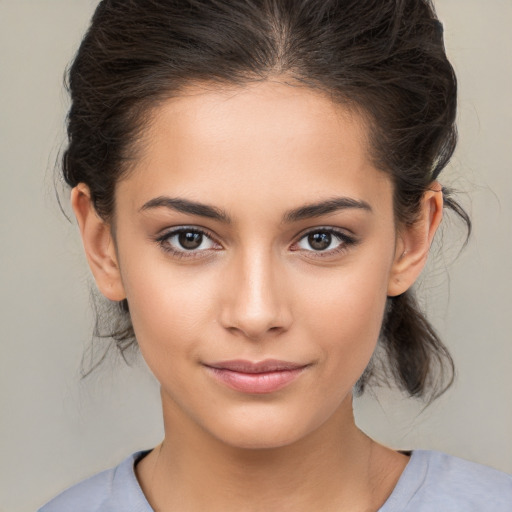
[[262, 377]]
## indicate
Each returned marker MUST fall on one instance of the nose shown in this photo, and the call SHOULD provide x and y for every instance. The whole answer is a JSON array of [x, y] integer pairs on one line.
[[255, 302]]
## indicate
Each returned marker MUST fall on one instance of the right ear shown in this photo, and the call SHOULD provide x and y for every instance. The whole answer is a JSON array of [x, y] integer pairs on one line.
[[98, 244]]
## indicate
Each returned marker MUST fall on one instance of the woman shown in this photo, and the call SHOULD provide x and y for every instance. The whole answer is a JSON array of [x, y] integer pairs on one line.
[[256, 185]]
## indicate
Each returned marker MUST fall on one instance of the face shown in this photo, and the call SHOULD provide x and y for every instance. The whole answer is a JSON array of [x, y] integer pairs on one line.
[[254, 229]]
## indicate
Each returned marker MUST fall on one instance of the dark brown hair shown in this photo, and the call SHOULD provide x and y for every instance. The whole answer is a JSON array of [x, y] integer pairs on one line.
[[384, 58]]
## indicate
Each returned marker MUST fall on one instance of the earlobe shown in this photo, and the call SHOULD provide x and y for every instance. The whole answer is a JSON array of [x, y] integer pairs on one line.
[[413, 242], [98, 244]]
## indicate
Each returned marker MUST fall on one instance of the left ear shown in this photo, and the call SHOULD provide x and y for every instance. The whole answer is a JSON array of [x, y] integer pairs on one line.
[[414, 240]]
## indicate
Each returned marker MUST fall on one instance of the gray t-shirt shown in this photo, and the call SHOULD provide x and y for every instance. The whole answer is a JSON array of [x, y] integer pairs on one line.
[[431, 482]]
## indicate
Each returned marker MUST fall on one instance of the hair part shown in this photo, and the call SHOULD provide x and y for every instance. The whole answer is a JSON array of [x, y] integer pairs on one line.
[[384, 59]]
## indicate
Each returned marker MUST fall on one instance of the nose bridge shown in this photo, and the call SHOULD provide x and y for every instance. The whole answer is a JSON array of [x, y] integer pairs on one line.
[[257, 301]]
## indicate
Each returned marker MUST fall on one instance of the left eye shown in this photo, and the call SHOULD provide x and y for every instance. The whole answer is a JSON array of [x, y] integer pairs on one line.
[[322, 241]]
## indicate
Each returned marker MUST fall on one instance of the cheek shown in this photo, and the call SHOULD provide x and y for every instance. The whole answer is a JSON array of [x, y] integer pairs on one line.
[[169, 308], [344, 315]]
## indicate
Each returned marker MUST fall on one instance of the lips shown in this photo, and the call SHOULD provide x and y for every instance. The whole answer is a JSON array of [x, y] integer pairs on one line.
[[269, 365], [255, 377]]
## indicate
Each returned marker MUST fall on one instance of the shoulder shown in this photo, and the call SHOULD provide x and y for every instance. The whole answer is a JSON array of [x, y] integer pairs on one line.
[[467, 482], [111, 490], [446, 470], [435, 481]]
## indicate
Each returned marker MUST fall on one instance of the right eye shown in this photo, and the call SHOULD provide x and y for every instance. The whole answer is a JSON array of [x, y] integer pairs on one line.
[[187, 242]]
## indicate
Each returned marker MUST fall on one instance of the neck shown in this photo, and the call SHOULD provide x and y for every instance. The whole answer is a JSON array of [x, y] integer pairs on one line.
[[335, 467]]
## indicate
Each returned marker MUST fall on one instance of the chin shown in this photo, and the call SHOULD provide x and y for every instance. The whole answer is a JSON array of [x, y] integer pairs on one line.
[[260, 440], [262, 432]]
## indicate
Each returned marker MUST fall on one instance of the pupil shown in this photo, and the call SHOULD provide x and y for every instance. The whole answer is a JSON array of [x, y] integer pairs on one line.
[[190, 240], [319, 241]]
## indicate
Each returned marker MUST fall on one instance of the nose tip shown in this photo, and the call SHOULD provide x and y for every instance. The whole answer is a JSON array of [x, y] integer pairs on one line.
[[257, 306]]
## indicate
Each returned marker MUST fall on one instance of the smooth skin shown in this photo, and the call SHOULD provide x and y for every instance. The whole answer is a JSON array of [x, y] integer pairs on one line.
[[254, 275]]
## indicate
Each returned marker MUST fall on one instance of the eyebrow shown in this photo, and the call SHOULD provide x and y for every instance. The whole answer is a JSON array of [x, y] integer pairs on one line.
[[303, 212], [187, 206], [325, 207]]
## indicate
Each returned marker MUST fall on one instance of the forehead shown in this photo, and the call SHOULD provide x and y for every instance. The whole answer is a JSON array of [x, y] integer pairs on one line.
[[269, 140]]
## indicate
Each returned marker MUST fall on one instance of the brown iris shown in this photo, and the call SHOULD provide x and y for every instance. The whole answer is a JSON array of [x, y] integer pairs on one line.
[[319, 241], [190, 239]]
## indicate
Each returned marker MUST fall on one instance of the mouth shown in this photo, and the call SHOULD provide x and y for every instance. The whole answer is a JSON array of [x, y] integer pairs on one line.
[[255, 377]]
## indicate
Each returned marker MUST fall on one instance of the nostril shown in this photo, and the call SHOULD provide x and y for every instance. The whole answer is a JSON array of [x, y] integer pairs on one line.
[[255, 333]]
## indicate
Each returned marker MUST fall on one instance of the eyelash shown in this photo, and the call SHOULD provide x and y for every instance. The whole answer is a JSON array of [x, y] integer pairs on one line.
[[345, 242]]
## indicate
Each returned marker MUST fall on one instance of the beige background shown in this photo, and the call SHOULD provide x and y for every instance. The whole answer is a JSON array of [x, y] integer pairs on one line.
[[56, 429]]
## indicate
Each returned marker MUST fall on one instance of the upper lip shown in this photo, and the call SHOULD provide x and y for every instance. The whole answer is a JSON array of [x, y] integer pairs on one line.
[[268, 365]]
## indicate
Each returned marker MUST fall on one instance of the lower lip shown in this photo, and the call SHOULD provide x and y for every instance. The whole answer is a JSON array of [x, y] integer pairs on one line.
[[266, 382]]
